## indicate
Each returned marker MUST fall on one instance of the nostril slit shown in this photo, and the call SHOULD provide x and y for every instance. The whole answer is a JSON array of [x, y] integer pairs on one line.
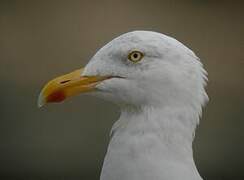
[[62, 82]]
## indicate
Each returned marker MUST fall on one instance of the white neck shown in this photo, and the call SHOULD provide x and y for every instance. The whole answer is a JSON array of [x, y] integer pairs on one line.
[[152, 143]]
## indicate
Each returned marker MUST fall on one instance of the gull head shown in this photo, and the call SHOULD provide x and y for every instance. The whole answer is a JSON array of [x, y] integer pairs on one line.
[[138, 68]]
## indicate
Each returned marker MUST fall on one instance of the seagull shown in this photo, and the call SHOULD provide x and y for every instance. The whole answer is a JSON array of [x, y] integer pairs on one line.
[[159, 85]]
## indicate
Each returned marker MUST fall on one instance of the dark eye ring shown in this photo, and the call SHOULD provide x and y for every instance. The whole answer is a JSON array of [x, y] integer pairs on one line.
[[135, 56]]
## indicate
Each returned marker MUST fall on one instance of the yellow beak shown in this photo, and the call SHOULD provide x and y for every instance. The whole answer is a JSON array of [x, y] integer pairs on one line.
[[68, 85]]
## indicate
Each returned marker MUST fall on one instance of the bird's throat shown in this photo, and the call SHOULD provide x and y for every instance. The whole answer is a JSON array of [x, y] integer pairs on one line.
[[158, 139]]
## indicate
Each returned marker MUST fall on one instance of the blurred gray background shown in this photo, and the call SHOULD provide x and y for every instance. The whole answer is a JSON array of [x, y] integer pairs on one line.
[[42, 39]]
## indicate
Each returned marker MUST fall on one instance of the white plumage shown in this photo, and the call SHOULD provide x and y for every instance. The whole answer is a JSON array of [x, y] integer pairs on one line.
[[158, 84], [160, 99]]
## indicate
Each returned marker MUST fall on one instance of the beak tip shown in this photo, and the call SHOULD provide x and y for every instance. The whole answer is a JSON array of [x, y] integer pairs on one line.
[[41, 102]]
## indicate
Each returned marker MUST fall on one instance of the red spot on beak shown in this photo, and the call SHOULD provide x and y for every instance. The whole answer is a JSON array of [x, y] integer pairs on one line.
[[57, 96]]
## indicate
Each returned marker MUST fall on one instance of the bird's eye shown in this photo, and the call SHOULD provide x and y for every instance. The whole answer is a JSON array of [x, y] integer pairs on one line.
[[135, 56]]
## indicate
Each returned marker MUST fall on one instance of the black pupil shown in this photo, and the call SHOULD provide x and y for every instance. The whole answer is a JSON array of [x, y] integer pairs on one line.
[[135, 55]]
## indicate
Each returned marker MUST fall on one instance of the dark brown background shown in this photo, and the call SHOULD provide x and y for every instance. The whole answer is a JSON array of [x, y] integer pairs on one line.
[[42, 39]]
